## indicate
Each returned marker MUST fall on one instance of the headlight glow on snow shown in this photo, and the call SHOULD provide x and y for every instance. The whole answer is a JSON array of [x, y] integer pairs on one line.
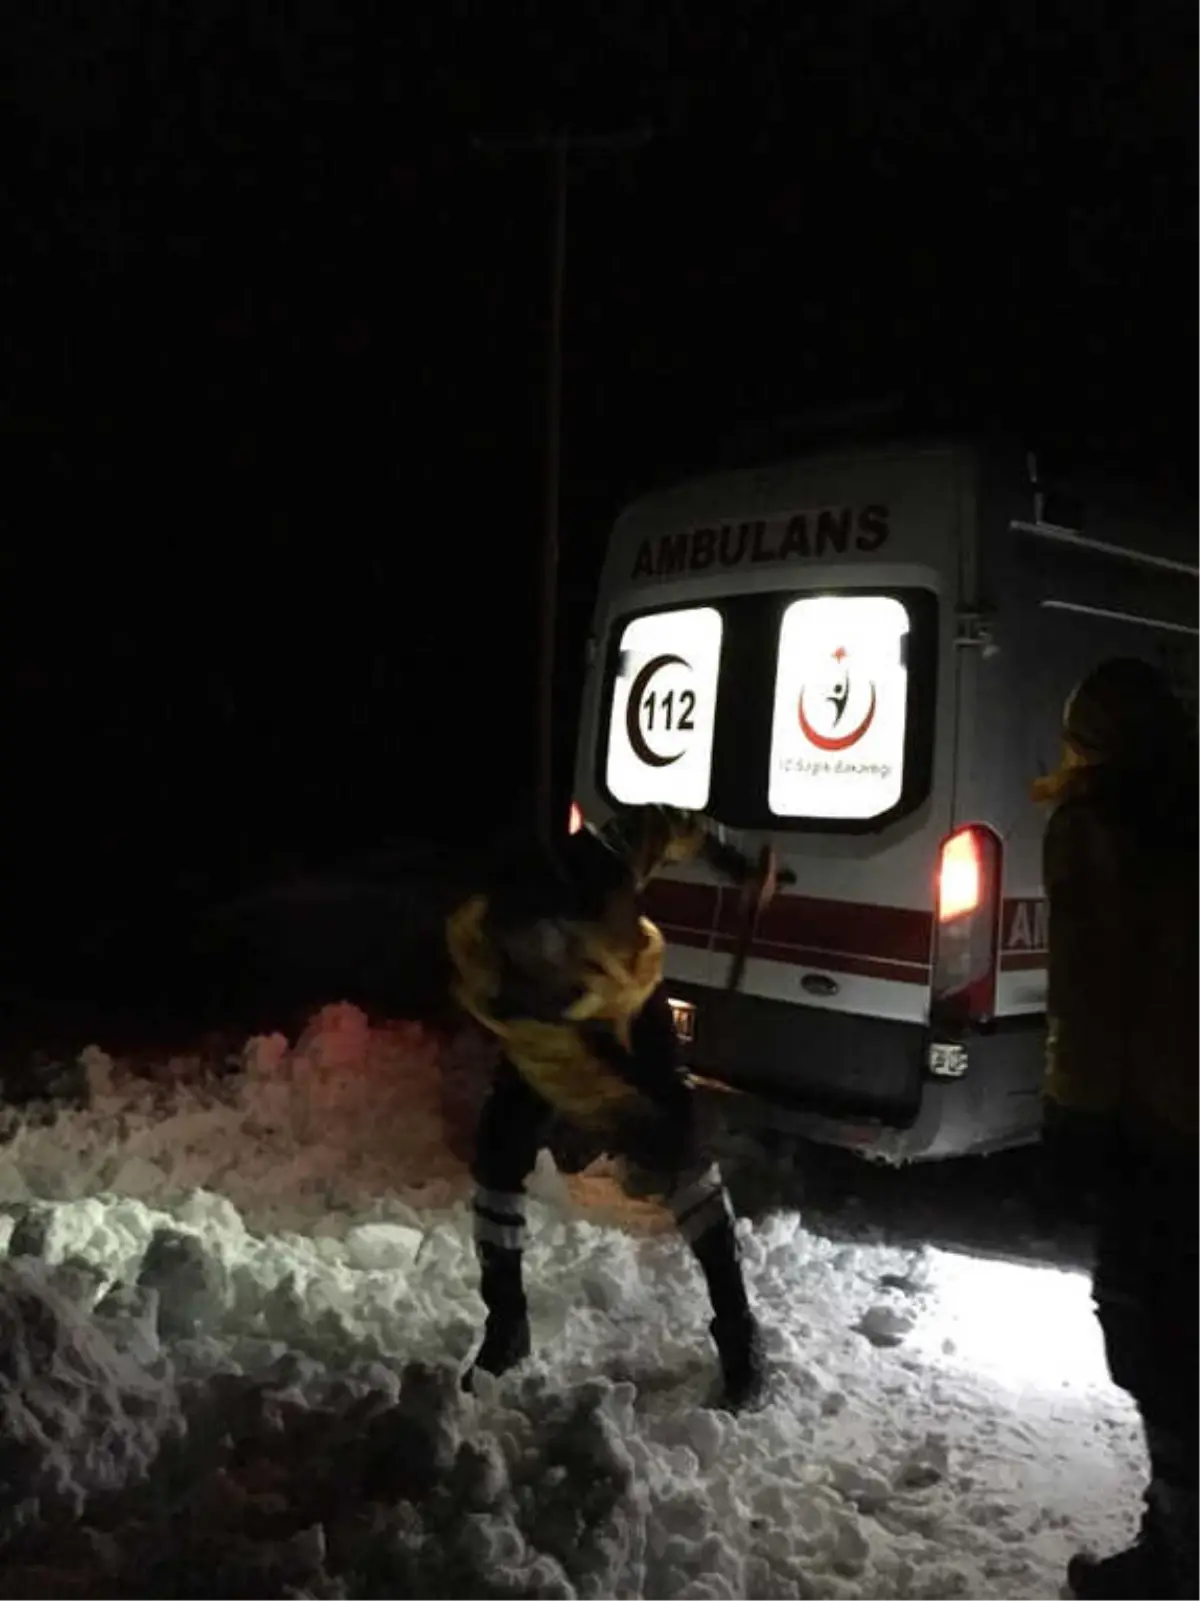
[[1024, 1326]]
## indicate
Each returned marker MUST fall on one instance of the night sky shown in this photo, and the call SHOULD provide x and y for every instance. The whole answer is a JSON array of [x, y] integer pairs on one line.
[[272, 388]]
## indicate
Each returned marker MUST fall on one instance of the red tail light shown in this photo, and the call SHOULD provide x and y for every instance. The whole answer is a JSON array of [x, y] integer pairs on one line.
[[574, 818], [960, 876], [966, 932]]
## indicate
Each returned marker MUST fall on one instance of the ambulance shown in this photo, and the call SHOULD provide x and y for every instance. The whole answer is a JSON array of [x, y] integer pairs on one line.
[[860, 659]]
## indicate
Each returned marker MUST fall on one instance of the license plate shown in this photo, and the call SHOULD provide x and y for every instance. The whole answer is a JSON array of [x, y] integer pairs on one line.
[[683, 1015]]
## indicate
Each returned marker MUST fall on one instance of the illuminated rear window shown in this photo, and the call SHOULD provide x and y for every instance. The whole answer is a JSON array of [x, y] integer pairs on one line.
[[840, 708], [663, 709]]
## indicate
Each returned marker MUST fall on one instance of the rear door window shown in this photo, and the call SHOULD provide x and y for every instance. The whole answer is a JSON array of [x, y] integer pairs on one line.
[[840, 708], [663, 708]]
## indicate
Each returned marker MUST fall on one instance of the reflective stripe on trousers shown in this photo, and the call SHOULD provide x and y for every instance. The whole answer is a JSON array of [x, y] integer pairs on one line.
[[699, 1202], [498, 1218]]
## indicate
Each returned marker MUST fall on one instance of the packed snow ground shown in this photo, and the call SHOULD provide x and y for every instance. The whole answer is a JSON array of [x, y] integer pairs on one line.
[[237, 1299]]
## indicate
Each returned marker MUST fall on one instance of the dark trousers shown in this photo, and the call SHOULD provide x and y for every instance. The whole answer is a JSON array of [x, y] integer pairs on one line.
[[1146, 1289], [515, 1120], [512, 1129]]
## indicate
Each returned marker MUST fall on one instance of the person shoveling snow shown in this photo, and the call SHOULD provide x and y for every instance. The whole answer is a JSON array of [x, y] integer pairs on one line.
[[556, 963]]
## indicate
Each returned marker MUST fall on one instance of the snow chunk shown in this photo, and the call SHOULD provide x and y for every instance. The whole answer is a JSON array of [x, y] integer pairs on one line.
[[128, 1315], [188, 1282], [886, 1325], [378, 1247]]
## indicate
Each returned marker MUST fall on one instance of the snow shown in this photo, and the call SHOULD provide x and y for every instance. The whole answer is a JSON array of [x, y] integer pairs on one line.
[[236, 1303]]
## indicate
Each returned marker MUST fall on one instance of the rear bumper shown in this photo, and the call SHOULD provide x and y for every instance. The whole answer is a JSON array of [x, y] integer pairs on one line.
[[839, 1063], [848, 1079]]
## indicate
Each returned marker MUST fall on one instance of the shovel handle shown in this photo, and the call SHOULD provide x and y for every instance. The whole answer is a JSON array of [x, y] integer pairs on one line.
[[761, 892]]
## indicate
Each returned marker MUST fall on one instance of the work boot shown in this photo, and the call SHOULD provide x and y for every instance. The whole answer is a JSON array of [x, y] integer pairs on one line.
[[506, 1332], [505, 1343], [1160, 1565], [734, 1329], [744, 1371], [1175, 1508], [1136, 1571]]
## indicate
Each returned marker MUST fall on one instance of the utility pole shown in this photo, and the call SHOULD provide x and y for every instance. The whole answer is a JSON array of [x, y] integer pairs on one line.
[[560, 147]]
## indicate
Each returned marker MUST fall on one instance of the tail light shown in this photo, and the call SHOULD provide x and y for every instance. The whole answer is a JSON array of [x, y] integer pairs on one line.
[[960, 876], [574, 818], [966, 929]]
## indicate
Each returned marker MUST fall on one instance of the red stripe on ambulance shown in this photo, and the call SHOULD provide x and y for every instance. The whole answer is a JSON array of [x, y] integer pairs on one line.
[[888, 942]]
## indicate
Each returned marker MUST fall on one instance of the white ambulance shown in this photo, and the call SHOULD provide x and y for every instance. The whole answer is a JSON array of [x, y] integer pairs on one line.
[[861, 659]]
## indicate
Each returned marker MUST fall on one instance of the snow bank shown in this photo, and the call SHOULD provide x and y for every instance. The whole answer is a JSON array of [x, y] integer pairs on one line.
[[348, 1117], [234, 1311]]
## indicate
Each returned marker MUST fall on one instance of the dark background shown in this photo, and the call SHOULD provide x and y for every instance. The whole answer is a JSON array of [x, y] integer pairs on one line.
[[271, 401]]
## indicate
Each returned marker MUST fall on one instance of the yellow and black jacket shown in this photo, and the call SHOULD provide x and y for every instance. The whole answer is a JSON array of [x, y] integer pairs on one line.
[[561, 991], [1122, 1001]]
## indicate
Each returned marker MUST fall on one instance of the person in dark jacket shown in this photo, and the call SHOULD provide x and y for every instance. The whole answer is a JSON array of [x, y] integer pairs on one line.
[[1120, 869], [558, 965]]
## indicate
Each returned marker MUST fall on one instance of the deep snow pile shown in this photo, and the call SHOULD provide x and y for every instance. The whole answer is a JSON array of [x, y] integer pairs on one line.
[[234, 1311]]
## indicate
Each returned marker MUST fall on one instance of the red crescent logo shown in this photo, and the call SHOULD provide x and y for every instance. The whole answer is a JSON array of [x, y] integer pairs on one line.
[[840, 742]]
